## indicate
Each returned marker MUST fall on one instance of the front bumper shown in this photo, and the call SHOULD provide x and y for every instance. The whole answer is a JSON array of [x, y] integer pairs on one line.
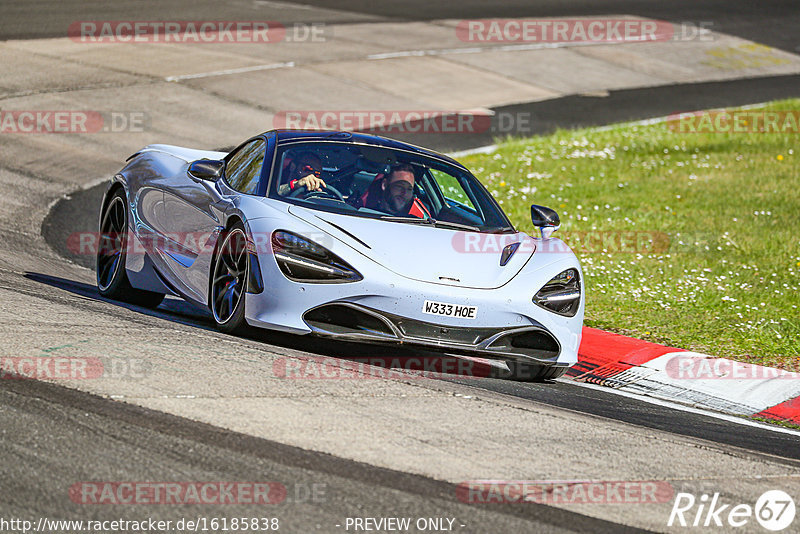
[[388, 308], [351, 321]]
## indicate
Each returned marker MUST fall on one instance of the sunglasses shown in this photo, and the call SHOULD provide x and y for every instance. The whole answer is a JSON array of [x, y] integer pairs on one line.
[[305, 170]]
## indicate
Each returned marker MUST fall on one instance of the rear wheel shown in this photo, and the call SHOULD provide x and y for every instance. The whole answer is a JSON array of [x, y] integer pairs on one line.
[[112, 280], [229, 280], [529, 372]]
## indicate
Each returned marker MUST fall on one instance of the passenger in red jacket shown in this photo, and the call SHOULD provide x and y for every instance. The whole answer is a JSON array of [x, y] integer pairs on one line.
[[394, 194]]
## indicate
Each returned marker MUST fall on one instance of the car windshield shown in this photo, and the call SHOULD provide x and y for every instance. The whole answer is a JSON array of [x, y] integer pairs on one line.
[[390, 184]]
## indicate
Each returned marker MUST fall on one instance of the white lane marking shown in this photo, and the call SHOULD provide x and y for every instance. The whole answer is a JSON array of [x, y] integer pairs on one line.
[[490, 149], [271, 66], [738, 386], [659, 120], [281, 5], [683, 408], [406, 53], [491, 48], [429, 52]]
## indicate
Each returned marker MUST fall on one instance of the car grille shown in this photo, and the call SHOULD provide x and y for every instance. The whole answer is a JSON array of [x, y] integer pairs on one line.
[[437, 332], [344, 318]]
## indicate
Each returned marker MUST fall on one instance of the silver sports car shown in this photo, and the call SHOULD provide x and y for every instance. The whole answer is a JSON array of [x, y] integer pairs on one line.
[[347, 236]]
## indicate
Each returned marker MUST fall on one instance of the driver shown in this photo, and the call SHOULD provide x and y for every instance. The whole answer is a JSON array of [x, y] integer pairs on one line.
[[304, 170]]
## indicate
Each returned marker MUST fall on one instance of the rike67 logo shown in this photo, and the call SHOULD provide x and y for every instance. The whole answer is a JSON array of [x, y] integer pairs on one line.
[[774, 511]]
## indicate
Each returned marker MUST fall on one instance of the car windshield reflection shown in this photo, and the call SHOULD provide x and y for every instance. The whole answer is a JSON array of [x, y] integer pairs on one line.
[[387, 184]]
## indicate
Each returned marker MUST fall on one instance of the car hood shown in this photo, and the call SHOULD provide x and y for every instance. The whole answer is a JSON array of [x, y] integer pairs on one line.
[[425, 253]]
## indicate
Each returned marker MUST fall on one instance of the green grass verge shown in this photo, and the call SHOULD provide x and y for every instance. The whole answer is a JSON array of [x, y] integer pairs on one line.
[[686, 239], [784, 424]]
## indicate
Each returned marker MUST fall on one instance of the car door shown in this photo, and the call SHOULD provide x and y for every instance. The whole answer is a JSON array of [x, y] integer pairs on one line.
[[192, 217]]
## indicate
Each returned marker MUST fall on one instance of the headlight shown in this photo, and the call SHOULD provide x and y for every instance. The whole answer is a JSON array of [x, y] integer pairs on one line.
[[562, 294], [302, 260]]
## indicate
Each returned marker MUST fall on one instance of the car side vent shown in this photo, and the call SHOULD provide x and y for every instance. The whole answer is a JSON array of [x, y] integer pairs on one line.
[[507, 253]]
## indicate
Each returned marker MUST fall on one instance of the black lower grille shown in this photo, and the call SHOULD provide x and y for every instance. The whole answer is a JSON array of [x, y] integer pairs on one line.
[[346, 318], [342, 319], [534, 342], [437, 332]]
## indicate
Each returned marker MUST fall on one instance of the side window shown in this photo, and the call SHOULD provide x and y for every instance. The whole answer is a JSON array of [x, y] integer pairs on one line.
[[452, 190], [244, 168]]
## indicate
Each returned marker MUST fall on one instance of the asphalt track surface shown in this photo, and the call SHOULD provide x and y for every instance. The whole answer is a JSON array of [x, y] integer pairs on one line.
[[59, 434], [773, 23], [50, 433], [80, 214]]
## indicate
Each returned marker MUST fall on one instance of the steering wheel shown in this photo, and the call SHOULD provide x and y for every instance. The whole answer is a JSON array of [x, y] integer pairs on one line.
[[327, 190]]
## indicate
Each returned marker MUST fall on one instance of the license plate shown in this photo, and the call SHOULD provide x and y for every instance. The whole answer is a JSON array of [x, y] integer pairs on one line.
[[445, 309]]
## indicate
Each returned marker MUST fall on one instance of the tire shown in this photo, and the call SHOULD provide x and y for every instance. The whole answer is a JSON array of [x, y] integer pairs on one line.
[[112, 280], [528, 372], [228, 283]]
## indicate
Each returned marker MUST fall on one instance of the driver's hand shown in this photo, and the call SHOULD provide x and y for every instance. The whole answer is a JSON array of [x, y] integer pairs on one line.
[[311, 182]]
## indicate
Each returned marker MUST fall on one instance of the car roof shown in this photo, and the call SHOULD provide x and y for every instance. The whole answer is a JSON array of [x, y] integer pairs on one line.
[[288, 136]]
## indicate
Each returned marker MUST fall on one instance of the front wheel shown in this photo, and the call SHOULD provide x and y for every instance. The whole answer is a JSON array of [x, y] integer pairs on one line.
[[112, 280], [229, 276]]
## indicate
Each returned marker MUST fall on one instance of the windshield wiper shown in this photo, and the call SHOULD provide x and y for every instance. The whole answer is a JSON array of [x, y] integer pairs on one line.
[[410, 220], [431, 222], [457, 226], [499, 229]]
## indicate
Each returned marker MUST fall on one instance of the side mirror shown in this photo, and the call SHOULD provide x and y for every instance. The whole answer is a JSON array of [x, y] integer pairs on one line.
[[205, 169], [545, 219]]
